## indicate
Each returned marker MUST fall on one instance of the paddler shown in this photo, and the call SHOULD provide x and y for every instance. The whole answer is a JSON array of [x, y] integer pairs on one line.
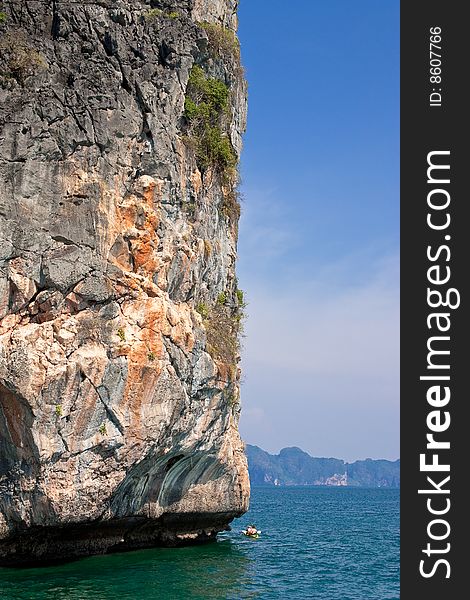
[[251, 530]]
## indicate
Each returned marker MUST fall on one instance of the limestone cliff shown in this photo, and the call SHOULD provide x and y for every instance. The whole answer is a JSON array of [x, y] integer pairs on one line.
[[121, 124]]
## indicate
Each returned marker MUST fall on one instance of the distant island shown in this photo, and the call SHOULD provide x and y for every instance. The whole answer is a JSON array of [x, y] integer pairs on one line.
[[293, 466]]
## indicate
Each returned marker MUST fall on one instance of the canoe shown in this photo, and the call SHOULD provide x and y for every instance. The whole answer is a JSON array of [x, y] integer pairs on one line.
[[255, 536]]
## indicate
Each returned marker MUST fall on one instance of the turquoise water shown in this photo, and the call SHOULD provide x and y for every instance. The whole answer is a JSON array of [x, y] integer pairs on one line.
[[317, 543]]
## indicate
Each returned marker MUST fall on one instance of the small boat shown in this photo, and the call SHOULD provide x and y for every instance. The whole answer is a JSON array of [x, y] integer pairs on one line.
[[255, 536]]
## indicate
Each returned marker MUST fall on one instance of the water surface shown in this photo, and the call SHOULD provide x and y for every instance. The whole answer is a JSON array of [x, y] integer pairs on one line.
[[317, 543]]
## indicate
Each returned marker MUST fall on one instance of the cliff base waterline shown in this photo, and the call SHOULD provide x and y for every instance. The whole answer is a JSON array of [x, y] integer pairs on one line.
[[46, 545]]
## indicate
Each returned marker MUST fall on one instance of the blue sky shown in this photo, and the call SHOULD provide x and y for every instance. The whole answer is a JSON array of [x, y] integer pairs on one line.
[[319, 234]]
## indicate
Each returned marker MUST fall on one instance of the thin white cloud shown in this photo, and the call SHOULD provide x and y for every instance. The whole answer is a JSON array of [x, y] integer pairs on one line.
[[317, 329], [263, 231]]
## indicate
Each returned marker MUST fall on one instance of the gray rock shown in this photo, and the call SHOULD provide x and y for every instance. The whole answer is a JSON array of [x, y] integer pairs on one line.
[[116, 426]]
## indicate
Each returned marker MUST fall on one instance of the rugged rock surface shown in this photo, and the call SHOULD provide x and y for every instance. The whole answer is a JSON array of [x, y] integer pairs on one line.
[[119, 306]]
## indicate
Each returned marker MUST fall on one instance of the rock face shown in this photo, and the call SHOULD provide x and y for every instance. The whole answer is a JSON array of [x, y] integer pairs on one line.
[[119, 307]]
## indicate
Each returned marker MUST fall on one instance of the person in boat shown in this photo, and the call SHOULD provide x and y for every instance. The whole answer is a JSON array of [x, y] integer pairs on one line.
[[251, 530]]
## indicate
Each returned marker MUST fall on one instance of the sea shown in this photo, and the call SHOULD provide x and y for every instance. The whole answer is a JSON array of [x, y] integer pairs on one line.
[[321, 543]]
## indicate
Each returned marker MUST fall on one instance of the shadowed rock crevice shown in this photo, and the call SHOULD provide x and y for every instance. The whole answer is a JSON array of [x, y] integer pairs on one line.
[[16, 449]]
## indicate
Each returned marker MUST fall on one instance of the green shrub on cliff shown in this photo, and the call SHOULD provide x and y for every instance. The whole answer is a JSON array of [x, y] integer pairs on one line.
[[3, 17], [215, 150], [223, 326], [222, 335], [222, 41], [206, 97], [156, 13], [152, 14], [206, 109], [203, 310], [240, 298], [230, 204], [233, 400], [22, 59]]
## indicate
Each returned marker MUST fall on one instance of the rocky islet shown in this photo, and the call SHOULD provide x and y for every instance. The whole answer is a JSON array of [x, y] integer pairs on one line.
[[119, 400]]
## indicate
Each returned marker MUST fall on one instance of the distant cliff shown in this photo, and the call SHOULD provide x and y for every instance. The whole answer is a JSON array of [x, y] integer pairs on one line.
[[121, 125], [292, 466]]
